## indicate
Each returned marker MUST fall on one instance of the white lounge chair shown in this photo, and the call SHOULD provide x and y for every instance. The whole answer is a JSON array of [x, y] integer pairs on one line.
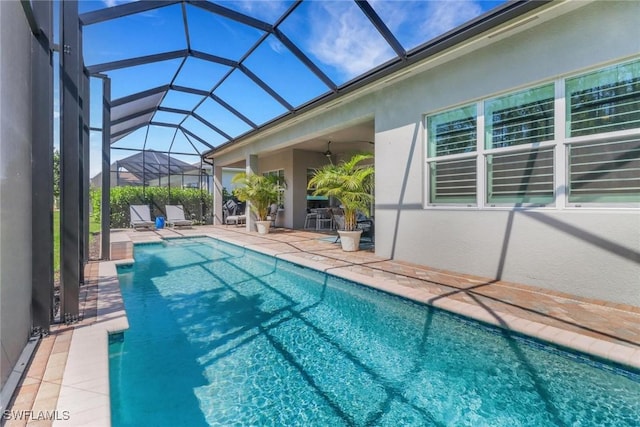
[[175, 216], [140, 217]]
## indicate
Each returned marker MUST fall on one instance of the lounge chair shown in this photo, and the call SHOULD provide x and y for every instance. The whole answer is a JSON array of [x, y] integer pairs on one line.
[[140, 217], [175, 216]]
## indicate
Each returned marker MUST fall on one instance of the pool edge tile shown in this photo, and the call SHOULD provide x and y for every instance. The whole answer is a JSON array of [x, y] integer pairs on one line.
[[88, 357]]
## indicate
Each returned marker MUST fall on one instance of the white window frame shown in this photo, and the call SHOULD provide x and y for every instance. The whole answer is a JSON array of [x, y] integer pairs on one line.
[[560, 143], [458, 156], [281, 188], [583, 140], [568, 141]]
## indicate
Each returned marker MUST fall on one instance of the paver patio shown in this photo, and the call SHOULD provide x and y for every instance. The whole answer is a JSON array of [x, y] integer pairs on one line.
[[601, 328]]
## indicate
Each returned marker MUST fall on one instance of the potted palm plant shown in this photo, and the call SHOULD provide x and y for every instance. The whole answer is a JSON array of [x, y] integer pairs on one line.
[[352, 184], [260, 191]]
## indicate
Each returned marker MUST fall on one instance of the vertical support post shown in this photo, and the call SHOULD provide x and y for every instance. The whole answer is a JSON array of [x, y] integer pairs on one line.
[[144, 173], [70, 161], [169, 176], [105, 213], [86, 149], [202, 204], [83, 202], [42, 169], [251, 168], [217, 195]]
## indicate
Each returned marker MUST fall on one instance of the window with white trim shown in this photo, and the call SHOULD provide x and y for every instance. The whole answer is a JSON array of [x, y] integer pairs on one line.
[[509, 146], [605, 171], [451, 148], [522, 176], [604, 168], [279, 176]]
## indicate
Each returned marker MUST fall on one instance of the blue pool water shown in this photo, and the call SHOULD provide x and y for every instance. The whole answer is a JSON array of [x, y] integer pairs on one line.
[[223, 336]]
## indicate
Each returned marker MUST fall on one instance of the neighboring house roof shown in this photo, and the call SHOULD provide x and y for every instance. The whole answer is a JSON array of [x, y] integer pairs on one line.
[[123, 178], [153, 165], [146, 165]]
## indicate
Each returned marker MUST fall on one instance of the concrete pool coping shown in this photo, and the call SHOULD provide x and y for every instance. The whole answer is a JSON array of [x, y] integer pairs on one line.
[[84, 390]]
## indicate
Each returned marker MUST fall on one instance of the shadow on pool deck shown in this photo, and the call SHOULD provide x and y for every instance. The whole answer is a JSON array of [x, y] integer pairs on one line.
[[539, 310]]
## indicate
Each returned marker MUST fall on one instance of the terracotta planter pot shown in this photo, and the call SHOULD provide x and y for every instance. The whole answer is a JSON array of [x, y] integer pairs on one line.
[[350, 240]]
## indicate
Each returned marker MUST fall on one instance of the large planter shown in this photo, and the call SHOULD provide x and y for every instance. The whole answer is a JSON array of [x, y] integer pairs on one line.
[[350, 240], [263, 227]]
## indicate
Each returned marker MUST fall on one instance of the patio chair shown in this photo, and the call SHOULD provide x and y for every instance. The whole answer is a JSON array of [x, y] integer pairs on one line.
[[273, 212], [175, 216], [367, 226], [233, 217], [140, 217], [324, 219]]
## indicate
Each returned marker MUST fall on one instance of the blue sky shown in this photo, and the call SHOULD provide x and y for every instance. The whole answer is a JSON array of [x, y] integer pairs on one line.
[[334, 34]]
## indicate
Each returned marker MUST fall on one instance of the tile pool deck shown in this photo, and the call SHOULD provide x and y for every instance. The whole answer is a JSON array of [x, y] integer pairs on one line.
[[69, 372]]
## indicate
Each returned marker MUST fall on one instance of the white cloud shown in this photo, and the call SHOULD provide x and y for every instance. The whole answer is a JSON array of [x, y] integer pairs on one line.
[[443, 16], [266, 10], [415, 22], [275, 45], [341, 42]]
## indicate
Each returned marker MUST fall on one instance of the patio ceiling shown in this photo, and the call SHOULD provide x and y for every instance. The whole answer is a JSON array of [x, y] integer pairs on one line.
[[200, 75]]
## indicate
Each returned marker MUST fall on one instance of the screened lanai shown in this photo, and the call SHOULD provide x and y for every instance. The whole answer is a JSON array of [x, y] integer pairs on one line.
[[187, 78], [191, 77]]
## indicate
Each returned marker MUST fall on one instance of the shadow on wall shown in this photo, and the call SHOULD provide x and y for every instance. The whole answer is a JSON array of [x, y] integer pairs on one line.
[[542, 217], [585, 236]]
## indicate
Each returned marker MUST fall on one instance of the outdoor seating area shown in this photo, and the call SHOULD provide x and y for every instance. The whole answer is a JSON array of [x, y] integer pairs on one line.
[[174, 217], [324, 219]]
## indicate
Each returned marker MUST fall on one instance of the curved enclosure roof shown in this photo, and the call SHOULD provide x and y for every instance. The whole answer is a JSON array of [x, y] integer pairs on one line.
[[150, 165], [190, 76]]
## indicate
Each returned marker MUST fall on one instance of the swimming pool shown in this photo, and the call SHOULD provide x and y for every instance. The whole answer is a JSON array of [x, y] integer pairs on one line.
[[220, 335]]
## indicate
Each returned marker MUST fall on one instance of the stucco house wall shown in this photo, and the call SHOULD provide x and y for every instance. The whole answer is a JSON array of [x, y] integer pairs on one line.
[[582, 251]]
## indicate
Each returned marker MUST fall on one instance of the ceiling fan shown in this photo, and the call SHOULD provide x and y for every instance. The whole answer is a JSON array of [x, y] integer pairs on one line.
[[328, 153]]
